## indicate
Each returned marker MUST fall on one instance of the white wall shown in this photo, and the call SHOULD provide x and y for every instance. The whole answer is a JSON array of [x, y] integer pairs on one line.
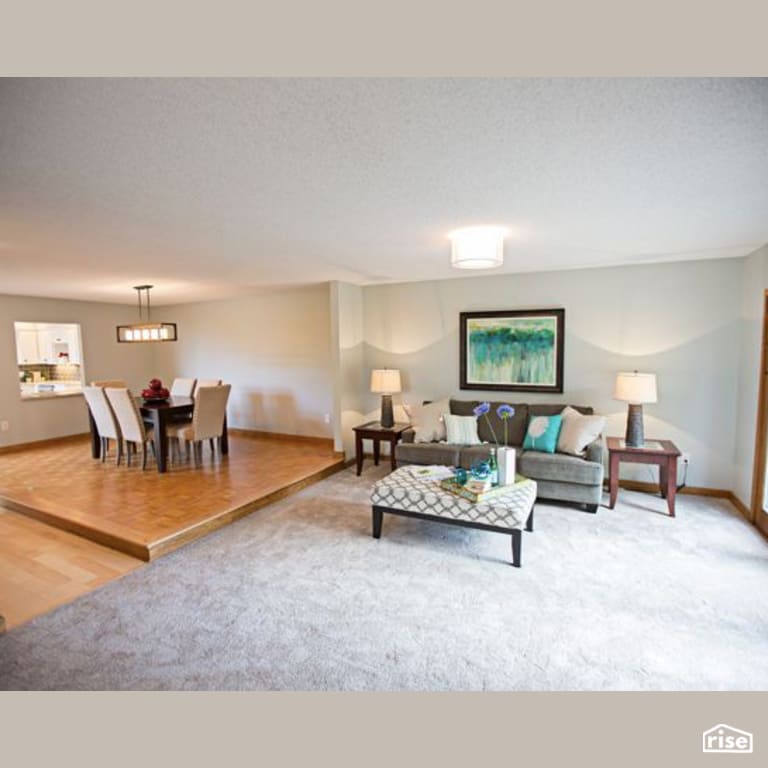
[[273, 346], [103, 358], [753, 284], [678, 320]]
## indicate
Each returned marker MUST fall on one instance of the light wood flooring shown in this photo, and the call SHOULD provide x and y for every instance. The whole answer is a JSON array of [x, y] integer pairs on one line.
[[50, 492], [42, 567], [144, 513]]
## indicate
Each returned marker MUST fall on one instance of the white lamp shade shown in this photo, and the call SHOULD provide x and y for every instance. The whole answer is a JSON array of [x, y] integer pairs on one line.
[[477, 247], [635, 387], [385, 381]]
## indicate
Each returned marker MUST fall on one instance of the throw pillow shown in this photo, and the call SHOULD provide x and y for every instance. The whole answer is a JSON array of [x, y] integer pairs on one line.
[[578, 431], [427, 421], [461, 430], [542, 433]]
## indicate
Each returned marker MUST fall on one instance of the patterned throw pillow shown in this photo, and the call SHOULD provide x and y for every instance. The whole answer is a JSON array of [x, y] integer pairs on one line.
[[461, 430], [542, 433], [578, 431]]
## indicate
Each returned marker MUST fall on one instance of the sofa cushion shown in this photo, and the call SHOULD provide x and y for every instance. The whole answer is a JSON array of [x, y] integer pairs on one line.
[[515, 425], [427, 420], [578, 431], [427, 453], [473, 453], [559, 467], [551, 410], [461, 430], [542, 433]]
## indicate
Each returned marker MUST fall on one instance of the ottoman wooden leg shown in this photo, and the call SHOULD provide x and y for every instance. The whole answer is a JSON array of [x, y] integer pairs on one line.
[[378, 516], [516, 539]]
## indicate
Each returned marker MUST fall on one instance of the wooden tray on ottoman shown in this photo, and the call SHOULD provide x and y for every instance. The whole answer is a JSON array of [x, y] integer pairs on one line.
[[407, 492]]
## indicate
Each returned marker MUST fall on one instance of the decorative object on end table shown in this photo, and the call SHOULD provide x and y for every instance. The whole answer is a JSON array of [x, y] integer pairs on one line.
[[386, 382], [516, 351], [155, 393], [635, 388]]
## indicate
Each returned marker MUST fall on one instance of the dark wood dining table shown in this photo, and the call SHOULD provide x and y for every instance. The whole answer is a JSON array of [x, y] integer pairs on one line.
[[159, 415]]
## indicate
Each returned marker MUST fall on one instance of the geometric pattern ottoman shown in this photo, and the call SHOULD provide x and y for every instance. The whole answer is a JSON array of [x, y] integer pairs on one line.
[[410, 492]]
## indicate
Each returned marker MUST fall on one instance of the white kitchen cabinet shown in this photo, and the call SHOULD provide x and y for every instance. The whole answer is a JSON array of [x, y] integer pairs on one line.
[[26, 347]]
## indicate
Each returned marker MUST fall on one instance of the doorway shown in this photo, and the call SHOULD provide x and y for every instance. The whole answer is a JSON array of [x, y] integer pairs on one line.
[[760, 472]]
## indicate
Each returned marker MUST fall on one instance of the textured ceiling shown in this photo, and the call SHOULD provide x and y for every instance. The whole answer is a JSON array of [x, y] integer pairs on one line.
[[213, 187]]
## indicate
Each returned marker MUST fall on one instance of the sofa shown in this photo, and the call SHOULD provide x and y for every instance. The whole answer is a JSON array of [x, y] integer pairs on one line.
[[559, 476]]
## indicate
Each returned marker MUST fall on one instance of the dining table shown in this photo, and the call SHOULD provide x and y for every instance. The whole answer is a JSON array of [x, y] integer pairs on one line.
[[159, 413]]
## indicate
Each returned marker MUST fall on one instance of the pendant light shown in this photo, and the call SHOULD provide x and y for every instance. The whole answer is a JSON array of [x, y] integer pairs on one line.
[[146, 331]]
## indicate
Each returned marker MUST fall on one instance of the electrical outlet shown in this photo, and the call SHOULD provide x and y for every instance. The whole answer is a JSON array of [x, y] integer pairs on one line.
[[685, 458], [327, 418], [4, 426]]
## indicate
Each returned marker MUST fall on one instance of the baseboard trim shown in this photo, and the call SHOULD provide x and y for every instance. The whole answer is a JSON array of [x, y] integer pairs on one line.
[[638, 485], [259, 434], [17, 447]]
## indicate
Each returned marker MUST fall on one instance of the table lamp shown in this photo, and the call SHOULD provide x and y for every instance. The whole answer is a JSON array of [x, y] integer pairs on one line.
[[386, 381], [635, 388]]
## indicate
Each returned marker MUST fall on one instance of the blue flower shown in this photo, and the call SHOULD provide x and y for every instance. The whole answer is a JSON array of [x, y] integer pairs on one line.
[[505, 411], [482, 409]]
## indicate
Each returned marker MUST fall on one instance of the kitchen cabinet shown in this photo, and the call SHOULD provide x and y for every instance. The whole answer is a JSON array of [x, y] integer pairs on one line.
[[26, 347], [43, 345]]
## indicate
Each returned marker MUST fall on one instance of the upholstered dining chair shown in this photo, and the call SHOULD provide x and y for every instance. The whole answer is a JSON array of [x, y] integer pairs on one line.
[[207, 419], [116, 383], [206, 383], [183, 387], [105, 421], [131, 424]]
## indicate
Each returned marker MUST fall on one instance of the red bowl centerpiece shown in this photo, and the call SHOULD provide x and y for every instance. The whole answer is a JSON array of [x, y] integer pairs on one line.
[[156, 392]]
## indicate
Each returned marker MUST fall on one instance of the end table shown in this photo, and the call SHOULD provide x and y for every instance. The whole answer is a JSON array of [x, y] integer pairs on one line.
[[663, 453], [373, 430]]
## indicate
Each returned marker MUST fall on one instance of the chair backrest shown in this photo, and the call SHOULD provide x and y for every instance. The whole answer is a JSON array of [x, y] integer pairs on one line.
[[210, 410], [102, 412], [116, 383], [183, 387], [127, 414], [206, 383]]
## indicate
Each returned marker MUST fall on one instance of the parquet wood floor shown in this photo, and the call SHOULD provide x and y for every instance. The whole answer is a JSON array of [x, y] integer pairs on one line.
[[144, 513], [42, 567]]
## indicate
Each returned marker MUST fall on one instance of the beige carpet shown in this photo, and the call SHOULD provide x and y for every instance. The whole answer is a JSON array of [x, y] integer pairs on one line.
[[298, 596]]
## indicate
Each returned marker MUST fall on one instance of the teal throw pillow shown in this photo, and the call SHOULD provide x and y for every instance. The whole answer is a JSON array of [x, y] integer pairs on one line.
[[542, 433]]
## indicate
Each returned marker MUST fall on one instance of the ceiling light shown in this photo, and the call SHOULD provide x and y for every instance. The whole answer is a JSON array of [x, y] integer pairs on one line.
[[477, 247], [146, 331]]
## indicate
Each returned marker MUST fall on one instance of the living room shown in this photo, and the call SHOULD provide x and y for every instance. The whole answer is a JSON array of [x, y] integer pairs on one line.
[[343, 267]]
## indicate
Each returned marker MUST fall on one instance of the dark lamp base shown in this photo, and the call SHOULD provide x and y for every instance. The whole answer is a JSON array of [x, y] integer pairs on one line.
[[387, 414], [635, 437]]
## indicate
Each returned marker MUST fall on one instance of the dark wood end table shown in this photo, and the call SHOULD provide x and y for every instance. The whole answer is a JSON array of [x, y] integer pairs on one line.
[[663, 453], [373, 430]]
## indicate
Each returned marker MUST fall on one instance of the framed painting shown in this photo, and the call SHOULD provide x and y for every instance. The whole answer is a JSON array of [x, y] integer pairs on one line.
[[513, 351]]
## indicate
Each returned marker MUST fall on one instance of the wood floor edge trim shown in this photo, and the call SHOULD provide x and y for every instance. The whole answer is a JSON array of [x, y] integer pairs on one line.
[[35, 444], [262, 434], [194, 532], [79, 529]]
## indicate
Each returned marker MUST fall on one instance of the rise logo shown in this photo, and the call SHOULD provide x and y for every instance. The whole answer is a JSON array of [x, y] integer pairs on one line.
[[726, 738]]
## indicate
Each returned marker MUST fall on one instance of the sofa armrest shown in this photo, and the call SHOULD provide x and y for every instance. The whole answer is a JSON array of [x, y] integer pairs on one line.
[[408, 435], [595, 451]]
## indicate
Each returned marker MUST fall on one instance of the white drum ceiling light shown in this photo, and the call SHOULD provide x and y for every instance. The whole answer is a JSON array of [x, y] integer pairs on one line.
[[477, 247]]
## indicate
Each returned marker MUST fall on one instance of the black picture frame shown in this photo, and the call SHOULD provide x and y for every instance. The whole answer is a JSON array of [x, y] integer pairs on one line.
[[483, 337]]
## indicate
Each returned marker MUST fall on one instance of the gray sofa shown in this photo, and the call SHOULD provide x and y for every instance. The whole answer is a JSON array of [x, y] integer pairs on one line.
[[559, 476]]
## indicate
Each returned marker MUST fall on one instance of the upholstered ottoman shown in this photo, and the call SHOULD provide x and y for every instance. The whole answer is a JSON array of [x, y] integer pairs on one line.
[[411, 492]]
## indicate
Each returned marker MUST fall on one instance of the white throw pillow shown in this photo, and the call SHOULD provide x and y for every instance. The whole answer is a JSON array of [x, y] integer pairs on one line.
[[461, 430], [578, 431], [427, 421]]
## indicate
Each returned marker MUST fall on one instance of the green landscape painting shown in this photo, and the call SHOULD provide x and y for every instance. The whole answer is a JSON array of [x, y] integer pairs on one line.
[[514, 351]]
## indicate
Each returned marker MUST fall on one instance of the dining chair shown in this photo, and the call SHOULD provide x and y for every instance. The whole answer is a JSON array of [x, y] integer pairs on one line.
[[206, 383], [207, 419], [183, 387], [104, 419], [116, 383], [129, 419]]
